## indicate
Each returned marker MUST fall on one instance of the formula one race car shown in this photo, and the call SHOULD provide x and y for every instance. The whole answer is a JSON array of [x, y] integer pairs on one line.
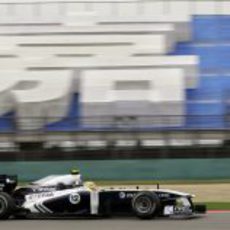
[[53, 196]]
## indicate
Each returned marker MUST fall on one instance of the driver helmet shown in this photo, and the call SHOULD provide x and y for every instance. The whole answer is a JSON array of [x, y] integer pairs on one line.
[[74, 171]]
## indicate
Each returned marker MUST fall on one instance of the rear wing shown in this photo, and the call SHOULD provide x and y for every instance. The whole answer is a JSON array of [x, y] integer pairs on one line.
[[8, 183]]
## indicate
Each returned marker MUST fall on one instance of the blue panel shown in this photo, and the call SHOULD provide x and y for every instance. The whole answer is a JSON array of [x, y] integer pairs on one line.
[[209, 88], [183, 48], [205, 115], [213, 58], [214, 108], [224, 34], [211, 28], [7, 122], [209, 57], [71, 121], [212, 122], [223, 57], [204, 94], [206, 28]]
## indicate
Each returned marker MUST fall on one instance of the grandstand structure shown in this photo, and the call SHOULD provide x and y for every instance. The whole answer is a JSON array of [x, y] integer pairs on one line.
[[88, 72]]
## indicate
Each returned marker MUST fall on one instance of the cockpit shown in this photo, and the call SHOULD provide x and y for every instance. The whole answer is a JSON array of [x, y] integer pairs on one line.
[[68, 180]]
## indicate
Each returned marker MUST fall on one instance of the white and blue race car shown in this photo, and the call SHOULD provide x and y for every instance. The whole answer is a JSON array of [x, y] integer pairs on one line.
[[59, 195]]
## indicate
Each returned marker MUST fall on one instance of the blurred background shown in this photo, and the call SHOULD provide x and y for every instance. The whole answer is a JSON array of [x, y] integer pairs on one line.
[[122, 89]]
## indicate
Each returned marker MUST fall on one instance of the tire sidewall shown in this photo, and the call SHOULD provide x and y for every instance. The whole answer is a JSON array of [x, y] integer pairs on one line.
[[8, 206], [3, 205], [152, 208]]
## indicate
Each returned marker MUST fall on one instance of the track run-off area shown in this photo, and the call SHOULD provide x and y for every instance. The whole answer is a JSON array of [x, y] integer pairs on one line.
[[211, 221]]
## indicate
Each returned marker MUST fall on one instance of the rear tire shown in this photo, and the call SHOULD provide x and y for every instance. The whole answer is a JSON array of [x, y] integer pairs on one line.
[[7, 206], [145, 205]]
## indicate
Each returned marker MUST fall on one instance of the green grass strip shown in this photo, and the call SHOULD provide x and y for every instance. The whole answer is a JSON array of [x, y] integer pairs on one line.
[[217, 205]]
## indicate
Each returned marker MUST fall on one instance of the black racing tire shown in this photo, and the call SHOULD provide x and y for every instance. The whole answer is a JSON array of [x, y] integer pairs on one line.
[[7, 206], [146, 205]]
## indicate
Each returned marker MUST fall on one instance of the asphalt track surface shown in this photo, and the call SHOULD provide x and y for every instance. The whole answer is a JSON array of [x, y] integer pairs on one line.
[[212, 221]]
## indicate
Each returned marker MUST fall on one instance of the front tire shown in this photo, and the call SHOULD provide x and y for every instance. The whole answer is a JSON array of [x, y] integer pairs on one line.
[[145, 205], [7, 206]]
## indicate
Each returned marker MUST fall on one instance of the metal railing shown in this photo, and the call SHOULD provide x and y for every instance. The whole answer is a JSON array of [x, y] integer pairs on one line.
[[105, 123]]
